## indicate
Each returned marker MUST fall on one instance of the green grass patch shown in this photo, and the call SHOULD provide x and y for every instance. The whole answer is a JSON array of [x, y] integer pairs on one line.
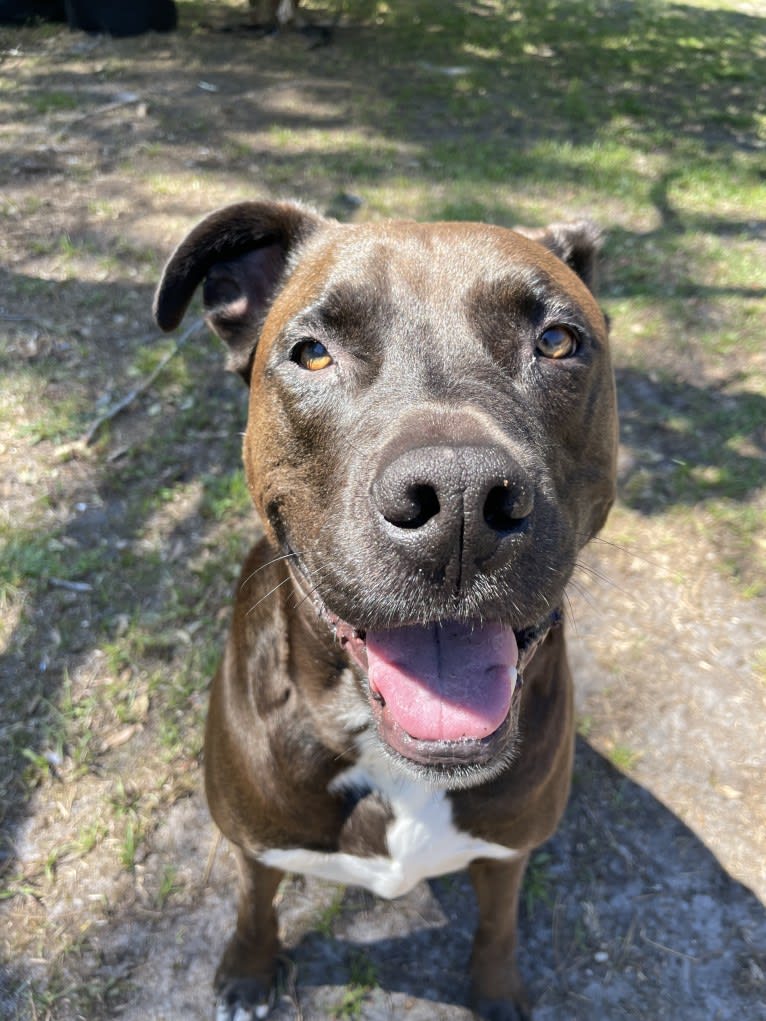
[[623, 758], [33, 410], [225, 495], [537, 888], [362, 979], [329, 915], [45, 102], [29, 558]]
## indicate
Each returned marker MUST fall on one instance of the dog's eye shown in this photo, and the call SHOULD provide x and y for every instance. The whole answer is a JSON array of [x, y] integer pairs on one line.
[[311, 355], [557, 342]]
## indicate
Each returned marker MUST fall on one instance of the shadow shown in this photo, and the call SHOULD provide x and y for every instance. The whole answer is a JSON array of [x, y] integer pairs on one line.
[[480, 100], [625, 913], [624, 905], [96, 569], [684, 444], [613, 70], [629, 273]]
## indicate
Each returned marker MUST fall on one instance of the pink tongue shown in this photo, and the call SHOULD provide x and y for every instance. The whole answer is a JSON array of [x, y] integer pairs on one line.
[[446, 681]]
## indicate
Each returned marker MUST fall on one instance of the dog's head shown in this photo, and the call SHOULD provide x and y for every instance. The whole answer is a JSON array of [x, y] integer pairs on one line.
[[431, 436]]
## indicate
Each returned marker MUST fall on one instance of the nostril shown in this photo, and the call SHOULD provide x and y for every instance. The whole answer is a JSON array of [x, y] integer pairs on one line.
[[415, 506], [506, 509]]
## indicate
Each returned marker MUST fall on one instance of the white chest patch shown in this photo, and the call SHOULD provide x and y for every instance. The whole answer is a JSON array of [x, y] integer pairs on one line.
[[422, 839]]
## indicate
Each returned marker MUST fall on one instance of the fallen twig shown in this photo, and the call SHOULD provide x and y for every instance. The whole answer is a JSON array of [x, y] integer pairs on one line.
[[291, 986], [666, 949], [70, 586], [124, 99], [623, 852], [125, 402], [11, 317], [212, 854]]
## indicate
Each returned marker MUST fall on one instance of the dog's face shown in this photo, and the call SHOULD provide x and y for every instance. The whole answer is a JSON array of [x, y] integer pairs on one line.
[[431, 440]]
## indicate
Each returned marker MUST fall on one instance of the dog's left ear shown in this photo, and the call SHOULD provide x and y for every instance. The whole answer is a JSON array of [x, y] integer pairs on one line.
[[577, 244], [241, 252]]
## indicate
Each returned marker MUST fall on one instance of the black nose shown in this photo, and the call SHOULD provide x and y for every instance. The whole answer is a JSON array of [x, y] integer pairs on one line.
[[460, 505]]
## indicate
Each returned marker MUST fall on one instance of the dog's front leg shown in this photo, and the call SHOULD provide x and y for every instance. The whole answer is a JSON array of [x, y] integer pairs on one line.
[[497, 991], [245, 979]]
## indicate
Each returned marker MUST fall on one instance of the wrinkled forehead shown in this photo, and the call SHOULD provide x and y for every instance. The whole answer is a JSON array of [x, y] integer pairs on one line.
[[437, 264]]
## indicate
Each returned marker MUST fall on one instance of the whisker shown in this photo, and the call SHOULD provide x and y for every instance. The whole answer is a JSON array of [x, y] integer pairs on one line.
[[347, 751], [270, 563], [297, 605], [630, 552], [571, 614], [269, 593], [583, 593], [316, 577], [593, 572]]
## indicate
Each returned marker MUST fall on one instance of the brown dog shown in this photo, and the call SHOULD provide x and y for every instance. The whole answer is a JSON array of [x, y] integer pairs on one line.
[[430, 443]]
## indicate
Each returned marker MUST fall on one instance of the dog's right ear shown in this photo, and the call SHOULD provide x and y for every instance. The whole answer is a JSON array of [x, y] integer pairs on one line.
[[241, 253], [576, 244]]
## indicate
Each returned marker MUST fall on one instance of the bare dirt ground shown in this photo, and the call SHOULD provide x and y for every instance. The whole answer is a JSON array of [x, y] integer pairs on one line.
[[119, 555]]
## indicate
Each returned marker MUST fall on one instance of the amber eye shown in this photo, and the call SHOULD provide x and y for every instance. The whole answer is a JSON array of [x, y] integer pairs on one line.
[[557, 342], [311, 355]]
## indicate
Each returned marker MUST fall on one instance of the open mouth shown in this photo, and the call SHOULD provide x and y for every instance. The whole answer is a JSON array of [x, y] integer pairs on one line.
[[444, 694]]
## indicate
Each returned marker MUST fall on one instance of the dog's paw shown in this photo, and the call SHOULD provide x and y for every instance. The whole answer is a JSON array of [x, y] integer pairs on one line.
[[245, 999], [500, 1010]]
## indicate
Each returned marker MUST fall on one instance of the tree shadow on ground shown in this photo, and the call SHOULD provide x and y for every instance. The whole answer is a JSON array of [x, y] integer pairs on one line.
[[94, 570], [449, 94], [684, 444], [625, 914], [683, 73]]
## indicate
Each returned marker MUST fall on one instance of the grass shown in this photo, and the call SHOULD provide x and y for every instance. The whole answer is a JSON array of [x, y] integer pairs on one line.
[[224, 495], [33, 414], [623, 758], [537, 888], [330, 913], [52, 102], [169, 885], [362, 979], [648, 116], [30, 559]]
